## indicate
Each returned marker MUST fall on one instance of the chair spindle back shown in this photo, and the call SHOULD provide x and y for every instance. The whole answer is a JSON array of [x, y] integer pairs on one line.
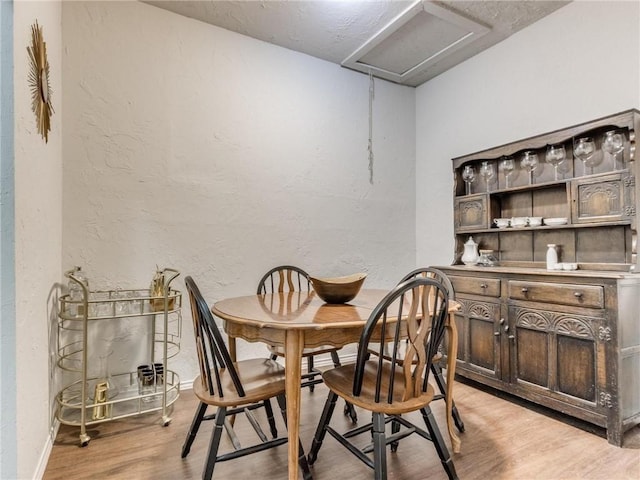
[[421, 303], [285, 278], [213, 354], [431, 272]]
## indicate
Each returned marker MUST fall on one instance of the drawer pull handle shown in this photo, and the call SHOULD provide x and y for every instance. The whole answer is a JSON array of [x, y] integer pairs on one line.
[[483, 285], [496, 334], [525, 290], [577, 294], [511, 337]]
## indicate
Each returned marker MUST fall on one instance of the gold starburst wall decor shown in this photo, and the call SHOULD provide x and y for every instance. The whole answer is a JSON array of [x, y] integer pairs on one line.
[[39, 82]]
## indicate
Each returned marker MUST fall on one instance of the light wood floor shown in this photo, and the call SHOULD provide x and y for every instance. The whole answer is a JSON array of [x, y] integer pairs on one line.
[[503, 440]]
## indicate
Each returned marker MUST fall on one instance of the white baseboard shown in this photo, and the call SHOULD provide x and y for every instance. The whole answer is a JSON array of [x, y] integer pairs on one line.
[[46, 451]]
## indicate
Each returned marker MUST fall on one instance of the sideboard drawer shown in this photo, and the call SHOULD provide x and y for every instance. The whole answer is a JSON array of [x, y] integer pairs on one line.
[[476, 285], [591, 296]]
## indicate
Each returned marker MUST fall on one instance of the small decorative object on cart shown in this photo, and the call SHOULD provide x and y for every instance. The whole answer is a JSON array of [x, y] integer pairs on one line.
[[157, 292]]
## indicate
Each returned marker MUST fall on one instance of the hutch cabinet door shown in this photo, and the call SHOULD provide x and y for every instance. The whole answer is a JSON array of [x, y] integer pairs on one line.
[[560, 353], [471, 213], [479, 338], [603, 199]]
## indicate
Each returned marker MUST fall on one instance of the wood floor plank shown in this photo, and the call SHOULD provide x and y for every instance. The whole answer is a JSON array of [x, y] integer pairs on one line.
[[503, 441]]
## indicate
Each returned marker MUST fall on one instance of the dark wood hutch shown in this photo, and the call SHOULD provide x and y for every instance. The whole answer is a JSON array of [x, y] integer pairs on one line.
[[568, 340]]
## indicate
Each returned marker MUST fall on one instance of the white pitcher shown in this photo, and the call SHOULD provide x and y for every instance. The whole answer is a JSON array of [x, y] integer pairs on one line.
[[470, 254]]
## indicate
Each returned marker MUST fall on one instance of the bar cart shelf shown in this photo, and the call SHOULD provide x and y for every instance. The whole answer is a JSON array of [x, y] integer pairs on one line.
[[87, 398]]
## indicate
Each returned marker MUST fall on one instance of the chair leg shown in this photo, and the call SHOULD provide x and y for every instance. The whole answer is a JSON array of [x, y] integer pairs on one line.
[[270, 418], [214, 444], [395, 428], [437, 374], [348, 408], [193, 430], [350, 411], [310, 370], [325, 418], [438, 442], [379, 447], [335, 358]]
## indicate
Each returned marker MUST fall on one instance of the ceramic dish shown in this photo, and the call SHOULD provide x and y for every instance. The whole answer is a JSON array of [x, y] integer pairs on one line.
[[535, 221], [519, 222], [556, 221]]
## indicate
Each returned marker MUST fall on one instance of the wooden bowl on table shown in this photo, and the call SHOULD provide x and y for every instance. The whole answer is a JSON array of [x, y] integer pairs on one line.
[[338, 289]]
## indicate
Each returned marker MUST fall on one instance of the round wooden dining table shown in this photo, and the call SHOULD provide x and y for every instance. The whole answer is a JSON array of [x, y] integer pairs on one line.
[[298, 320]]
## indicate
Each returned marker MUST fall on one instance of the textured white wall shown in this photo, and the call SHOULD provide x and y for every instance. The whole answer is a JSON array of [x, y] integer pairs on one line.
[[579, 63], [189, 146], [38, 231]]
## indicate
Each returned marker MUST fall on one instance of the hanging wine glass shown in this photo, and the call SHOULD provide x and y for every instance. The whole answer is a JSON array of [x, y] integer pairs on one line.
[[487, 171], [584, 149], [469, 176], [507, 165], [613, 144], [529, 162], [564, 168], [555, 156]]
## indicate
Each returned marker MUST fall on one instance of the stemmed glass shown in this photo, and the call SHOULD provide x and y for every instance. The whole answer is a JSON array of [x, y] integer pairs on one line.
[[613, 144], [469, 176], [584, 149], [507, 165], [529, 162], [555, 156], [487, 171]]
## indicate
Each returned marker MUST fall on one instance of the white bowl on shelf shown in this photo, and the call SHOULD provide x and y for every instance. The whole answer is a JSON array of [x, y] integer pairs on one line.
[[556, 221], [519, 222], [502, 222], [535, 221]]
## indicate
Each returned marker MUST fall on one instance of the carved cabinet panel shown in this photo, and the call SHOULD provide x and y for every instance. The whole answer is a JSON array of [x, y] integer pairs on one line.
[[478, 345], [471, 212], [561, 353], [603, 199]]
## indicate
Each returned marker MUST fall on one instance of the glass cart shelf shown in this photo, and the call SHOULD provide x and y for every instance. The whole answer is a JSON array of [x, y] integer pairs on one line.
[[85, 399]]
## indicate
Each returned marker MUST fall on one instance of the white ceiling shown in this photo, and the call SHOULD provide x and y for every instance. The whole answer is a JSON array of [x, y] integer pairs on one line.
[[404, 41]]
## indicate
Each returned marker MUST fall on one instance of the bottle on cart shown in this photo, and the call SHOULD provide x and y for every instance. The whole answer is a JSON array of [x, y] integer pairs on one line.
[[76, 293]]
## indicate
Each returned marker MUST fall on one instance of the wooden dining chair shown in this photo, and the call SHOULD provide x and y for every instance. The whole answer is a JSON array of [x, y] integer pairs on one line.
[[390, 385], [289, 278], [436, 366], [234, 388]]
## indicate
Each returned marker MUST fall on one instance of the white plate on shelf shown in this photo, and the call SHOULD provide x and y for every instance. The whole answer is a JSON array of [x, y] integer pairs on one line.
[[556, 221]]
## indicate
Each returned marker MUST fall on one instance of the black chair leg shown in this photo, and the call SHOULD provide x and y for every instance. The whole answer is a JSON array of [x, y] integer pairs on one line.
[[193, 430], [325, 418], [379, 447], [350, 411], [270, 418], [335, 359], [438, 441], [395, 428], [348, 408], [310, 369], [214, 444], [437, 374]]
